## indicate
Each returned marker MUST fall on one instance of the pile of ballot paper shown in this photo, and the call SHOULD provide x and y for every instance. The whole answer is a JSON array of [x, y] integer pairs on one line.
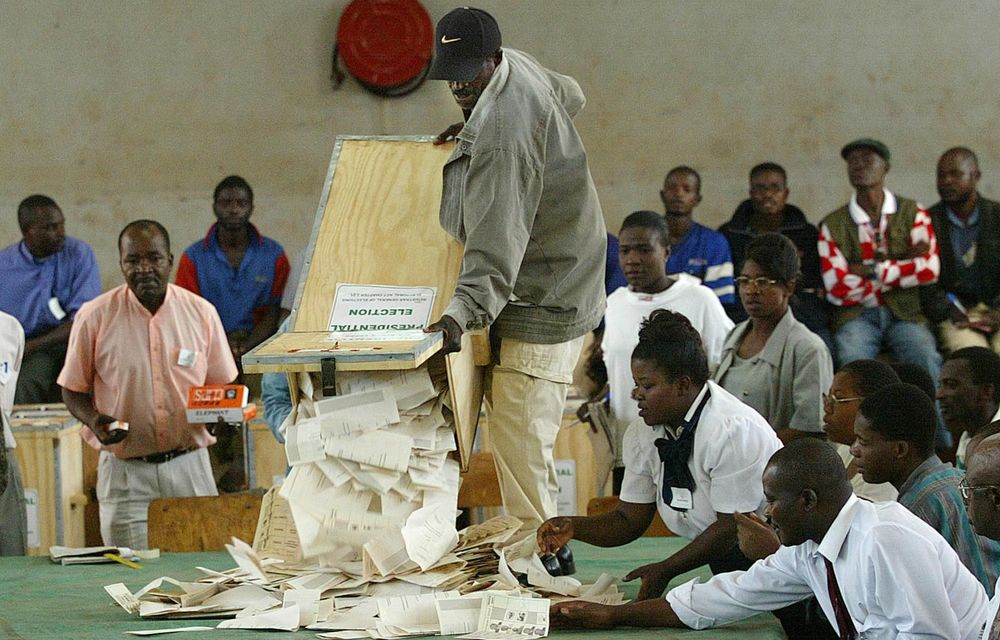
[[371, 477], [497, 590]]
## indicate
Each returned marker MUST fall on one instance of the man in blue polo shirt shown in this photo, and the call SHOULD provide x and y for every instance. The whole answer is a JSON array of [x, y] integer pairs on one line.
[[240, 271], [47, 277], [694, 248]]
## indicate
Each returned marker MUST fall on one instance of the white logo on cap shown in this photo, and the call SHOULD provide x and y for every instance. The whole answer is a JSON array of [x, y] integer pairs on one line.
[[446, 39]]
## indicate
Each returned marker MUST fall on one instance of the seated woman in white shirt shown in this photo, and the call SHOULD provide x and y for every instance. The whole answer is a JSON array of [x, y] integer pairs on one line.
[[695, 455], [643, 249], [771, 361]]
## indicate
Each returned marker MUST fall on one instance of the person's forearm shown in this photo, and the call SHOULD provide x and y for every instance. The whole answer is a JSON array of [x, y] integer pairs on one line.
[[59, 335], [655, 612], [611, 529], [81, 405], [715, 541]]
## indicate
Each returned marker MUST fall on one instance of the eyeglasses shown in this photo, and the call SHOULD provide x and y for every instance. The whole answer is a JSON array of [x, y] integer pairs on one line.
[[744, 282], [831, 400], [967, 490]]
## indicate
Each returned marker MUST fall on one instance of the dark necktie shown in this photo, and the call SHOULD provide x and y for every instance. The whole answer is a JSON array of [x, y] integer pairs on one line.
[[674, 454], [845, 626]]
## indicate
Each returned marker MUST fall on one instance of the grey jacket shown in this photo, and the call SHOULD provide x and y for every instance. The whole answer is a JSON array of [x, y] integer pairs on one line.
[[791, 374], [518, 193]]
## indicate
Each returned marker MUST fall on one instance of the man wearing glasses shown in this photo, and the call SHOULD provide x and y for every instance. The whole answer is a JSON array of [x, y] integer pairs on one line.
[[981, 493], [133, 354]]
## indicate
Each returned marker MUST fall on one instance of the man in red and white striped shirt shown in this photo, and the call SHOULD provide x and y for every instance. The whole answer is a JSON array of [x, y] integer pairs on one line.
[[875, 252]]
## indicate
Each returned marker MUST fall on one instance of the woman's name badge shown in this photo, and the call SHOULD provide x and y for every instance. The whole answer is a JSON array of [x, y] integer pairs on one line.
[[680, 498]]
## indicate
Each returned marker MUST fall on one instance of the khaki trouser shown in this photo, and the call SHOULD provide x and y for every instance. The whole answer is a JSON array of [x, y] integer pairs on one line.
[[953, 338], [526, 389], [126, 487]]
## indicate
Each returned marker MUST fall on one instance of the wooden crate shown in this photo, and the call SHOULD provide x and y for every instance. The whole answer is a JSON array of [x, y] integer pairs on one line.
[[50, 454]]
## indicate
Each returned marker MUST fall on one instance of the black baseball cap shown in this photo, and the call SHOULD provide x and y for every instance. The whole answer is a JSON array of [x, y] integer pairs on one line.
[[866, 143], [463, 39]]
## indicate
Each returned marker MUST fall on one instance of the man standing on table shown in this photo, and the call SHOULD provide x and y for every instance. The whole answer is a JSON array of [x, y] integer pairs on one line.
[[133, 354], [518, 193]]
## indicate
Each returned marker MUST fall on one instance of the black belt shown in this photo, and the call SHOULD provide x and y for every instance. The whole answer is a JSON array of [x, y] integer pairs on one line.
[[166, 456]]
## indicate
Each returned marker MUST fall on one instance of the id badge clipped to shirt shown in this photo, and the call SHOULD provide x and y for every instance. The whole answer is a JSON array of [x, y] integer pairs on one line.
[[680, 498], [186, 358]]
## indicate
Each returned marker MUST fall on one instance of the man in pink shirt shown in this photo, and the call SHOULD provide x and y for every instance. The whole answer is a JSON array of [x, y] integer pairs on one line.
[[133, 354]]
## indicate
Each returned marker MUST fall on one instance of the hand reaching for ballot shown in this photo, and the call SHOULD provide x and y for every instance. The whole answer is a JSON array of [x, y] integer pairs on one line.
[[554, 534], [756, 538], [577, 613], [655, 578]]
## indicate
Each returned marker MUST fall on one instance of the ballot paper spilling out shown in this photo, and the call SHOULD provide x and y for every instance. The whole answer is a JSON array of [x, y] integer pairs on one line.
[[485, 585], [360, 540]]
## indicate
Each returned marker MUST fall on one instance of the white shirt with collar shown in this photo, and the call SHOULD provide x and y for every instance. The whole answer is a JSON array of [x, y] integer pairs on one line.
[[11, 353], [899, 579], [626, 311], [732, 444]]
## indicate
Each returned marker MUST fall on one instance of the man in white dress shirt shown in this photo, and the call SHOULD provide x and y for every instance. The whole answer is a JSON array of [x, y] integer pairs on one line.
[[13, 516], [981, 492], [877, 570]]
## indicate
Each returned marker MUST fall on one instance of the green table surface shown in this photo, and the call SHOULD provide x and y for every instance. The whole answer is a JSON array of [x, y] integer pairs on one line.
[[39, 599]]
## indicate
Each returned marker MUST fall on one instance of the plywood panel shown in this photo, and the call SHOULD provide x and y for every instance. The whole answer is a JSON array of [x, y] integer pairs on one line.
[[465, 379], [380, 226]]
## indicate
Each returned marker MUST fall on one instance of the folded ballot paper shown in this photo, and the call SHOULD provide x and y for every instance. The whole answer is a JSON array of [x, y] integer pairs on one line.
[[360, 539], [89, 555]]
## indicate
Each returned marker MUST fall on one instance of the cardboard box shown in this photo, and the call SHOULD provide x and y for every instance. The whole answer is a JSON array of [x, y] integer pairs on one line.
[[211, 402]]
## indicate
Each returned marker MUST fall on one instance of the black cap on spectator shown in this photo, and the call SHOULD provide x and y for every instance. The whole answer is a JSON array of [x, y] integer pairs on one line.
[[463, 39]]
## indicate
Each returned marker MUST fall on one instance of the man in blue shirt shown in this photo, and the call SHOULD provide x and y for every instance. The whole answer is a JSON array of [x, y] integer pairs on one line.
[[967, 226], [47, 277], [240, 271], [694, 248]]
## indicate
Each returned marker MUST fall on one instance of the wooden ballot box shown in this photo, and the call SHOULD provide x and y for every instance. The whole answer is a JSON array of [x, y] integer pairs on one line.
[[377, 224], [50, 454]]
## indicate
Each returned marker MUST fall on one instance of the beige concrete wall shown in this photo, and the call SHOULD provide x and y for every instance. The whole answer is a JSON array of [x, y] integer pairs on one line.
[[127, 109]]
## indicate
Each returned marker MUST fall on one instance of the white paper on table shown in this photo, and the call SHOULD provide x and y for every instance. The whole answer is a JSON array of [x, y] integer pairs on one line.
[[319, 581], [600, 586], [282, 619], [343, 635], [120, 593], [387, 552], [361, 618], [307, 600], [304, 442], [504, 616], [246, 558], [408, 612], [156, 632], [506, 576], [361, 606], [242, 597], [313, 538], [539, 577], [410, 387], [429, 533], [396, 588], [148, 609], [494, 531], [343, 415], [459, 615], [380, 449]]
